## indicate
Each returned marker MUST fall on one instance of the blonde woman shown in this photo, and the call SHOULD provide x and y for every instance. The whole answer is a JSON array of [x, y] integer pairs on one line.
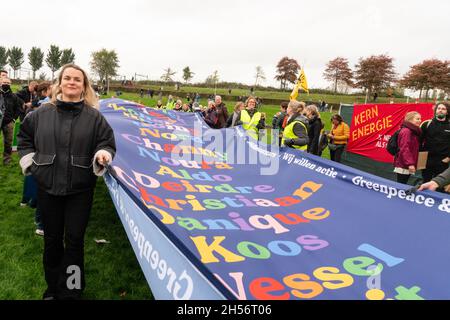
[[405, 161], [295, 134], [65, 145]]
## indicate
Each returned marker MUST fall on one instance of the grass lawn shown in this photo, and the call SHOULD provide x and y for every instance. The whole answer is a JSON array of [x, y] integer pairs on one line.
[[112, 271]]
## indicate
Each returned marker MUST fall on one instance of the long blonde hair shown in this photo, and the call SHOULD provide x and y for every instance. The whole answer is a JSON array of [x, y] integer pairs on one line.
[[410, 115], [313, 109], [88, 93]]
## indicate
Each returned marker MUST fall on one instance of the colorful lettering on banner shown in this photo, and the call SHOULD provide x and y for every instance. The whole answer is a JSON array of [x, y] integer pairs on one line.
[[312, 229]]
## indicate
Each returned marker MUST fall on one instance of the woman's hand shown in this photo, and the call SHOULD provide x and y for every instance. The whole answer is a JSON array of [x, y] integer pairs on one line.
[[428, 186], [412, 169], [103, 158], [446, 160]]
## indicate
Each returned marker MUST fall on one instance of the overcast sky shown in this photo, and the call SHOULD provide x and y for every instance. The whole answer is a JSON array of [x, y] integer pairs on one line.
[[231, 36]]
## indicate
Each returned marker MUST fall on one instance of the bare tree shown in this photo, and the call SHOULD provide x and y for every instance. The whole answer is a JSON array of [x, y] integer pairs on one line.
[[259, 75], [168, 74]]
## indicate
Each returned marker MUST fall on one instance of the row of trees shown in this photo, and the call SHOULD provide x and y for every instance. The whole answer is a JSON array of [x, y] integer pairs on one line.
[[55, 58], [104, 63], [373, 74], [377, 73], [211, 79]]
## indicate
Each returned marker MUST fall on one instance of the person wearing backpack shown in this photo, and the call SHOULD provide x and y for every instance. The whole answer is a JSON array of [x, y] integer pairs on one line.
[[436, 140], [408, 140]]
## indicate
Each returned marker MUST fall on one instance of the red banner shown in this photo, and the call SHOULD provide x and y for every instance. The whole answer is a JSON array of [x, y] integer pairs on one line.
[[373, 124]]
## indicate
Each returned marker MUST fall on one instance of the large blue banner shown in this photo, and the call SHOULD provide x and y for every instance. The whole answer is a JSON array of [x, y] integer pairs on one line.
[[255, 222]]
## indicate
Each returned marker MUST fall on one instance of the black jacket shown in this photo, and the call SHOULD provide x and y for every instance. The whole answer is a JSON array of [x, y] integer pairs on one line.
[[315, 125], [277, 121], [222, 115], [13, 107], [436, 137], [65, 139], [26, 96]]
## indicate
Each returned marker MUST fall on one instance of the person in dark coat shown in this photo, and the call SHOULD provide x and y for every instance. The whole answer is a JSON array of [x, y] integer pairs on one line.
[[278, 119], [10, 107], [405, 161], [222, 112], [315, 126], [211, 115], [436, 140], [65, 145], [27, 95]]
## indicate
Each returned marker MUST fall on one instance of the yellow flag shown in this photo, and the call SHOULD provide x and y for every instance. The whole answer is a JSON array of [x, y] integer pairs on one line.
[[303, 82], [300, 84]]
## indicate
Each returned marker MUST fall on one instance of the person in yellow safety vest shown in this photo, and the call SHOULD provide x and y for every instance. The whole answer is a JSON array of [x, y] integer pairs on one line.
[[251, 120], [178, 105], [295, 134], [170, 103]]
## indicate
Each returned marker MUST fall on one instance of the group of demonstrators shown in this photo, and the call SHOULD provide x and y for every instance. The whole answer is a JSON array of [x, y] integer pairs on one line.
[[299, 126], [432, 136], [65, 143]]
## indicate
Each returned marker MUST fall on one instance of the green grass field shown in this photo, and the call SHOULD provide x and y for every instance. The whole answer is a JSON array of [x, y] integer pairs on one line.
[[112, 271]]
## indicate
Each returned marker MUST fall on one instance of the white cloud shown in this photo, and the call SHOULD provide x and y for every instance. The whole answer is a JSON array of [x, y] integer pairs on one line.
[[232, 37]]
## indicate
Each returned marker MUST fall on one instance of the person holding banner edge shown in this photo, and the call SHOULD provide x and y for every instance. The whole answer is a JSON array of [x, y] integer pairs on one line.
[[65, 153], [405, 161], [440, 181]]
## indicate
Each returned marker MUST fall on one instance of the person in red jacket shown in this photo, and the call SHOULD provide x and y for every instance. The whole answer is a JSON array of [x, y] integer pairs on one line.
[[405, 161]]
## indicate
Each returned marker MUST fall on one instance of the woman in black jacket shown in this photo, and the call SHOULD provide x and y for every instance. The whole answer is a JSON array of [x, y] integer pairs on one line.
[[65, 145], [315, 126]]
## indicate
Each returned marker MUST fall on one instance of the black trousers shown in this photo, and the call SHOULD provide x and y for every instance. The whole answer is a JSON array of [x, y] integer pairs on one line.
[[65, 220], [403, 178], [433, 171], [335, 155]]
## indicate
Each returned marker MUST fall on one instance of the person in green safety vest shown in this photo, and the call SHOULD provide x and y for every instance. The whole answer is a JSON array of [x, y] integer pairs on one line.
[[170, 103], [252, 120], [178, 106], [295, 134]]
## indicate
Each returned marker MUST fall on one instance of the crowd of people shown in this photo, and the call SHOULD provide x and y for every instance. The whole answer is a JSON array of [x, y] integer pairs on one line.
[[431, 136], [65, 143], [299, 126]]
